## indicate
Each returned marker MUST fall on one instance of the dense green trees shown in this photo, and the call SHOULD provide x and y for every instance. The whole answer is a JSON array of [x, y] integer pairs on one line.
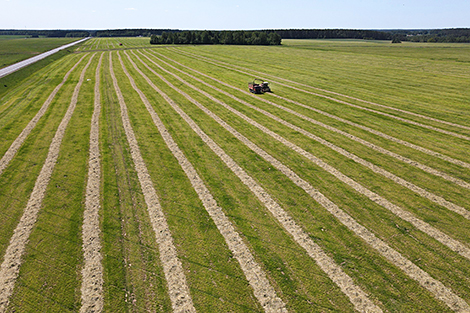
[[77, 34], [86, 33], [45, 33], [239, 37], [144, 32], [333, 34], [433, 35]]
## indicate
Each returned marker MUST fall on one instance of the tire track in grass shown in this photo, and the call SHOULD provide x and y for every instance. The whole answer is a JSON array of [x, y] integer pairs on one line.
[[178, 289], [349, 97], [368, 129], [438, 289], [92, 272], [255, 275], [15, 146], [421, 225], [10, 267], [423, 167], [358, 298]]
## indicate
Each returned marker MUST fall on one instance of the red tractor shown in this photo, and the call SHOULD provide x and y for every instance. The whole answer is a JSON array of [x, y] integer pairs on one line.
[[258, 86]]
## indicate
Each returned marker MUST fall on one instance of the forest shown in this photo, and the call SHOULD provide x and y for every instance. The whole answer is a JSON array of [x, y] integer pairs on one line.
[[218, 37]]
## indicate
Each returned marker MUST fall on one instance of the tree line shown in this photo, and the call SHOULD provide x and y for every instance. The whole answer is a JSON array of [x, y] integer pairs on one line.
[[433, 35], [257, 37], [205, 37], [45, 33], [333, 34], [144, 32], [86, 33]]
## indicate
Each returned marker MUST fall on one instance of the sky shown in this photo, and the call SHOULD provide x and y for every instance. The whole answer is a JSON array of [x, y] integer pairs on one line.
[[231, 15]]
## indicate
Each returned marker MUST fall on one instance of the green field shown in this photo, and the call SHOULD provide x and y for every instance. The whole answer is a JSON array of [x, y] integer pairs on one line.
[[105, 43], [16, 48], [346, 189]]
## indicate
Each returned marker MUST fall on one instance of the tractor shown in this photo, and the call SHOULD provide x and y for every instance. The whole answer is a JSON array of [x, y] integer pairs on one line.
[[258, 86]]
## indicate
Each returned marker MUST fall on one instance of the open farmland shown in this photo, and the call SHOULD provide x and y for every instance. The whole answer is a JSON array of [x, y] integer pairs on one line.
[[107, 43], [16, 48], [150, 179]]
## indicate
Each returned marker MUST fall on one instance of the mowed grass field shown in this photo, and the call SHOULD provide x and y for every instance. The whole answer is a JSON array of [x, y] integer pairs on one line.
[[16, 48], [150, 179], [108, 43]]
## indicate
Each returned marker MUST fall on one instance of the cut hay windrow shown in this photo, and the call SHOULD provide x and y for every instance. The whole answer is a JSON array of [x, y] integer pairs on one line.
[[373, 131], [13, 256], [16, 145], [440, 291], [177, 286], [341, 95], [453, 244], [406, 160], [358, 298], [255, 275], [92, 272]]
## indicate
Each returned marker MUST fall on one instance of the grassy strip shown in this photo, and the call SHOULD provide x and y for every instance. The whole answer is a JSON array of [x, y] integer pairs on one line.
[[114, 177], [176, 279], [133, 277]]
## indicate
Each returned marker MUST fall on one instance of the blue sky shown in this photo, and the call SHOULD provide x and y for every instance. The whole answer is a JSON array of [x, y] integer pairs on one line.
[[228, 14]]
